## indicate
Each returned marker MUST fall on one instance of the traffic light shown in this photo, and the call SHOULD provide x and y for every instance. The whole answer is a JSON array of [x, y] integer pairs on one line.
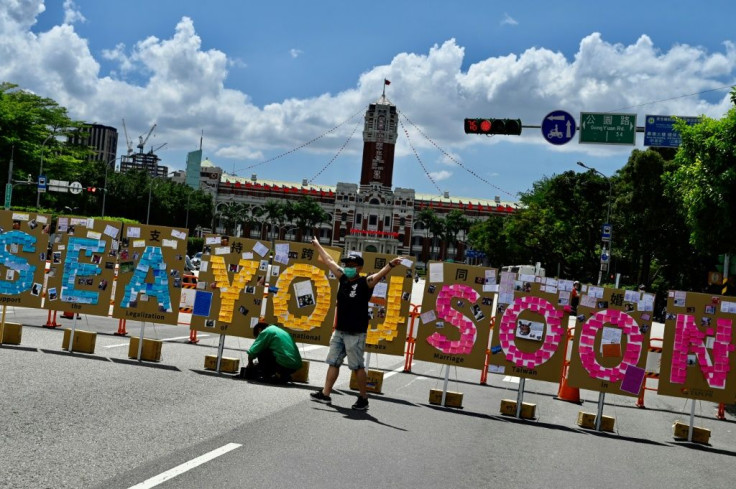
[[510, 127], [91, 189]]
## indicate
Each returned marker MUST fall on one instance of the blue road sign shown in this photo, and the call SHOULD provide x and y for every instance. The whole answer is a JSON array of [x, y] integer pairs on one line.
[[606, 232], [658, 130], [558, 127], [42, 183]]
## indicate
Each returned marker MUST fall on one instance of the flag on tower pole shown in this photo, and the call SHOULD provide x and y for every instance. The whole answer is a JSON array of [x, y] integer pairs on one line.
[[385, 82]]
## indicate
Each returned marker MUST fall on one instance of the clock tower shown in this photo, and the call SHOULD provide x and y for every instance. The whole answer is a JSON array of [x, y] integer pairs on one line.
[[379, 140]]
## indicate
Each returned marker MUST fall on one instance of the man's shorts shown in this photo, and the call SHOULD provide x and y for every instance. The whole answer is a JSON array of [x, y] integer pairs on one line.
[[344, 344]]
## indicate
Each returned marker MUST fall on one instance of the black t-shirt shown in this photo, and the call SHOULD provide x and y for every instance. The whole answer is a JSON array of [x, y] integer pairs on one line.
[[352, 305]]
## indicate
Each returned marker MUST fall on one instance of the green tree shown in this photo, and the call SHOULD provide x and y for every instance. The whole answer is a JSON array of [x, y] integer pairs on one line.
[[559, 224], [705, 181], [453, 224], [171, 203], [307, 213], [433, 223], [274, 214], [36, 130], [488, 236], [653, 232]]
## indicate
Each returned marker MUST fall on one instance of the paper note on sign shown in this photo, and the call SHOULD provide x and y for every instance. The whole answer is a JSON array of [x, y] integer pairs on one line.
[[94, 234], [133, 232], [380, 289], [406, 262], [436, 272], [260, 248], [210, 240], [281, 249], [139, 243], [169, 243], [175, 233], [428, 317], [111, 231]]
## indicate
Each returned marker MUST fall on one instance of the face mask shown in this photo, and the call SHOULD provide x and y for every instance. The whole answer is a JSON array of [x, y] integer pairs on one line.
[[350, 272]]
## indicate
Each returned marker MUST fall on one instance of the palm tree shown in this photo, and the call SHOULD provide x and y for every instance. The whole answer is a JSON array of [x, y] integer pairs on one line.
[[429, 218], [454, 223], [233, 214], [274, 214], [307, 214]]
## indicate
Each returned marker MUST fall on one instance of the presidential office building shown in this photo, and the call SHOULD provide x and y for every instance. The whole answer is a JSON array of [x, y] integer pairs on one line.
[[369, 216]]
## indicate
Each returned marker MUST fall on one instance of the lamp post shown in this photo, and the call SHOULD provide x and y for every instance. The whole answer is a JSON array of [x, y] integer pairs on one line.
[[607, 238], [150, 188], [40, 170], [104, 189]]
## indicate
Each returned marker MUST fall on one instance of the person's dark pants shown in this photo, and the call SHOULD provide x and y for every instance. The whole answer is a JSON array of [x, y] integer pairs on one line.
[[270, 370]]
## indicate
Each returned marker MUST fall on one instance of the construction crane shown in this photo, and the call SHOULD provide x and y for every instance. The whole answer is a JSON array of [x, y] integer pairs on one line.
[[128, 142], [142, 141], [153, 150]]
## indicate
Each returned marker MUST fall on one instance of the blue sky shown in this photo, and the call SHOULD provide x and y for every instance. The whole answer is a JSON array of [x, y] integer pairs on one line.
[[262, 78]]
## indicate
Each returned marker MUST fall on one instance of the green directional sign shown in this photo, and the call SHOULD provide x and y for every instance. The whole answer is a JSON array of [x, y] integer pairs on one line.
[[607, 128], [8, 194]]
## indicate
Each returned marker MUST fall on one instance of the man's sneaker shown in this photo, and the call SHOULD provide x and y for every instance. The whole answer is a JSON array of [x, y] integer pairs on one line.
[[320, 397], [361, 404]]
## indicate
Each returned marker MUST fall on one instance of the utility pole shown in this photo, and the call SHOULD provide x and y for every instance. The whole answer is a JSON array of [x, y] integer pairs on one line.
[[9, 185]]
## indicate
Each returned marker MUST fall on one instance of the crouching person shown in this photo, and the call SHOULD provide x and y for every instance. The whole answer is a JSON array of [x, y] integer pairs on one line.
[[274, 356]]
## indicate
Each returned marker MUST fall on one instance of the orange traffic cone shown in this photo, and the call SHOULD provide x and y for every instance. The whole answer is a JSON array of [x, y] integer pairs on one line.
[[567, 393], [67, 315]]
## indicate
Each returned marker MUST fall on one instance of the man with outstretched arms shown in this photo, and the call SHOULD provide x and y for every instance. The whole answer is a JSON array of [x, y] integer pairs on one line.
[[348, 339]]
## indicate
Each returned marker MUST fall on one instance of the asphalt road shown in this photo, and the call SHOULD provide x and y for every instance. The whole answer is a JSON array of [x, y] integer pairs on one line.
[[102, 420]]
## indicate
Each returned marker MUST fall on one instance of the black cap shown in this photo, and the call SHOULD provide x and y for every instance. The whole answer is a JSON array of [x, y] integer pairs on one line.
[[353, 258]]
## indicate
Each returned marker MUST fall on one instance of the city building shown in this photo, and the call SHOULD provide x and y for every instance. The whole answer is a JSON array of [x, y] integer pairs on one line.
[[369, 216], [104, 141]]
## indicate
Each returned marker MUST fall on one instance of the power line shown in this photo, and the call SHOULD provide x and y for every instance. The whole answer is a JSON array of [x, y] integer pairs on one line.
[[339, 151], [452, 158], [416, 155], [674, 98], [304, 145]]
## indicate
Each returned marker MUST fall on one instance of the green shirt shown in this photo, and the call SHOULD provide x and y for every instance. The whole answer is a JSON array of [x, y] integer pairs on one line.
[[281, 344]]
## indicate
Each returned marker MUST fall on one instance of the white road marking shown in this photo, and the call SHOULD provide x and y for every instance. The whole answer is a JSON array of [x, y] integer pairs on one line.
[[513, 380], [186, 466], [117, 345], [393, 372]]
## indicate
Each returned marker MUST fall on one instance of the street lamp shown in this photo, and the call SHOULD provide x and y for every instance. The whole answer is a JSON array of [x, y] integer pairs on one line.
[[40, 170], [104, 190], [605, 239], [150, 188]]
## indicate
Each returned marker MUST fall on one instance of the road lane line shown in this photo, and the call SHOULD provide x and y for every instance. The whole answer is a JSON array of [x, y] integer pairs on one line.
[[186, 466], [165, 339], [393, 372], [513, 380]]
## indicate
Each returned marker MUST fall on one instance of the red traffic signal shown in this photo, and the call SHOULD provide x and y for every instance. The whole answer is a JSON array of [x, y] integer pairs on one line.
[[510, 127], [92, 189]]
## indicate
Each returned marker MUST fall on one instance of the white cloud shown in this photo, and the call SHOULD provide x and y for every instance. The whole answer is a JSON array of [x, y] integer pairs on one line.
[[508, 20], [295, 53], [72, 14], [438, 176], [183, 88]]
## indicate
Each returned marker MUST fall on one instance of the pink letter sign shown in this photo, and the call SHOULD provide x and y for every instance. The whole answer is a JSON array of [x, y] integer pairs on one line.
[[445, 311], [586, 348], [555, 332], [689, 339]]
